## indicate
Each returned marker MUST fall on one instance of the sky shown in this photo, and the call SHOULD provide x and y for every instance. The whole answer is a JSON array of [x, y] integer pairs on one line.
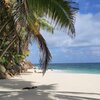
[[84, 48]]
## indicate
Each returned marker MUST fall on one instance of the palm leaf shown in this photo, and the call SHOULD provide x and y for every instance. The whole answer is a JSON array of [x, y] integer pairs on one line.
[[45, 55], [61, 11], [45, 25]]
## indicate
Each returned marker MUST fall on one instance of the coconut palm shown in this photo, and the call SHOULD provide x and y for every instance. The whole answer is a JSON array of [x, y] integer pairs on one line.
[[26, 17]]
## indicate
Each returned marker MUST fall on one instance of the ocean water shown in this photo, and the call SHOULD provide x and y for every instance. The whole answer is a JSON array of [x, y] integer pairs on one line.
[[84, 68]]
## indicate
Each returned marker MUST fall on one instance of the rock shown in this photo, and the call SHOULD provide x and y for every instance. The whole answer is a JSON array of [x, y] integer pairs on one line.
[[2, 69]]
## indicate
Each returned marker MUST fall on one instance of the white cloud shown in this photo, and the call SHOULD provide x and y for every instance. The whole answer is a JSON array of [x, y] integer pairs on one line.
[[87, 33], [97, 6], [95, 51]]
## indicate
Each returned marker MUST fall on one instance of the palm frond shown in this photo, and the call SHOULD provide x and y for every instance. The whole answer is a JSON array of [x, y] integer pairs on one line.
[[45, 25], [45, 55], [62, 11]]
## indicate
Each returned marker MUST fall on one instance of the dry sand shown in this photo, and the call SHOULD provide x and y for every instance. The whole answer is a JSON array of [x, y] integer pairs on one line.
[[52, 86]]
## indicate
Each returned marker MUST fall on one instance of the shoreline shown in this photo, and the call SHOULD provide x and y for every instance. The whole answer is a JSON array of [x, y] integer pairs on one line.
[[69, 72], [52, 86]]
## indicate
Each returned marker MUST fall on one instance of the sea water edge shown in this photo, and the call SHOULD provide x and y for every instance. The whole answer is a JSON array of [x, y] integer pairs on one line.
[[75, 68]]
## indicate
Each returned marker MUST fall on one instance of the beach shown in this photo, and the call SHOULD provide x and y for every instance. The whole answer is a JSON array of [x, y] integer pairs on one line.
[[54, 85]]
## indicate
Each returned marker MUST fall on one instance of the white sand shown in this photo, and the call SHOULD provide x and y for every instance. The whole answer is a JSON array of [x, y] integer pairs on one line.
[[52, 86]]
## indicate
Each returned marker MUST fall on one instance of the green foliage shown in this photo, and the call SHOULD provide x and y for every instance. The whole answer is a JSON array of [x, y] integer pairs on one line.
[[19, 57], [45, 25], [4, 61]]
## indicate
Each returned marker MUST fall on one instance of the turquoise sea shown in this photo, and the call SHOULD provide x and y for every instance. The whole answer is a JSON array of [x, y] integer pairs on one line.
[[89, 68], [84, 68]]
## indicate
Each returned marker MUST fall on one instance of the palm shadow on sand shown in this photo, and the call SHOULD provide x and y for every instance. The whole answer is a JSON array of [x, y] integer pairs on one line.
[[42, 92]]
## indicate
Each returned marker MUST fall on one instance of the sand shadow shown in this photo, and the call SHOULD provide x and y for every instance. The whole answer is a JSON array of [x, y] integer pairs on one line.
[[17, 93], [42, 92], [14, 84]]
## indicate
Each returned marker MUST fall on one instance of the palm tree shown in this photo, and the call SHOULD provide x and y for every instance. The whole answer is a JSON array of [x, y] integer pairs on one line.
[[26, 17]]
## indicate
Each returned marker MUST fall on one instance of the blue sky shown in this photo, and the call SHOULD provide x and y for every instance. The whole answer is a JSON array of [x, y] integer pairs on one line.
[[85, 47]]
